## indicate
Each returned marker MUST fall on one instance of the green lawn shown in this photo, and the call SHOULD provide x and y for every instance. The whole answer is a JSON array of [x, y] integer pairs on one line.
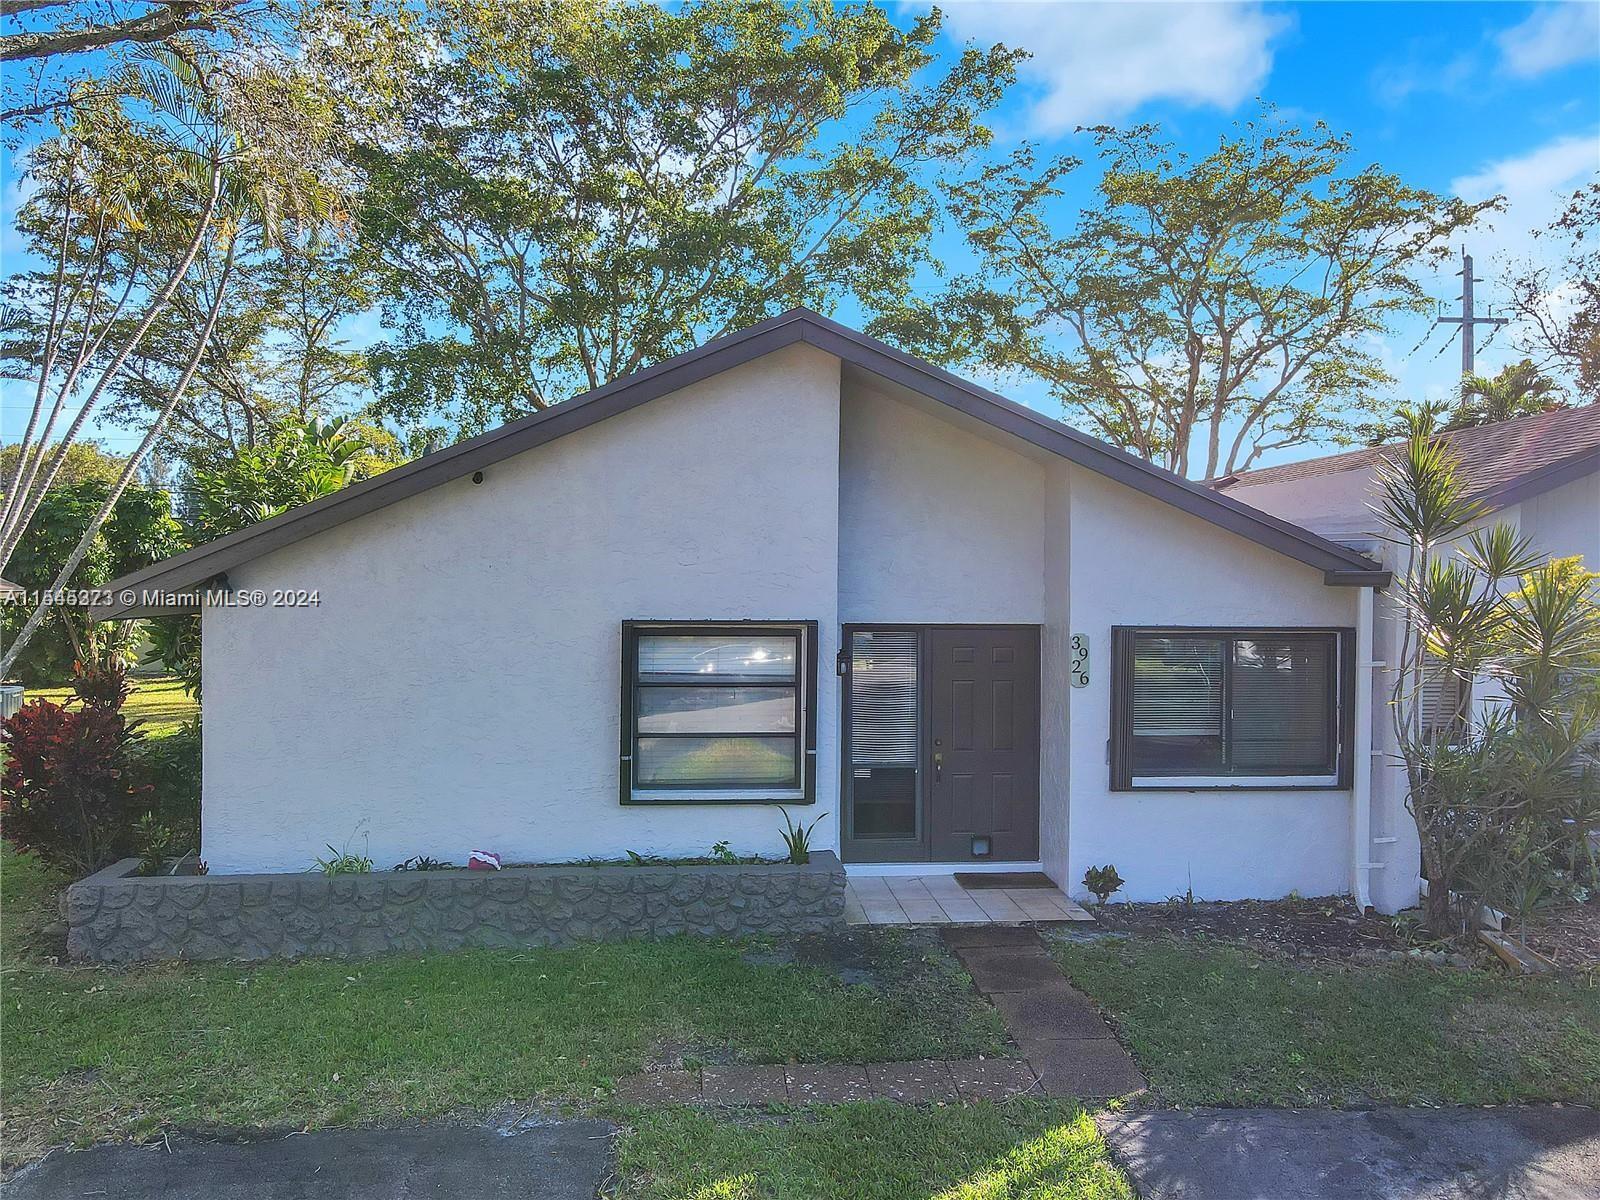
[[1021, 1150], [158, 701], [1214, 1024], [92, 1053]]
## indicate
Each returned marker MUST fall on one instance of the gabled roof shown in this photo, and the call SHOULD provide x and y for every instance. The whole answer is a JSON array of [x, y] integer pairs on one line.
[[1500, 463], [149, 591]]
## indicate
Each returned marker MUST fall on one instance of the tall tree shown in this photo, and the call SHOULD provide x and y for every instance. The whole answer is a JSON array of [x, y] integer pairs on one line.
[[66, 53], [136, 197], [139, 531], [277, 355], [1557, 301], [85, 461], [1205, 310], [584, 188]]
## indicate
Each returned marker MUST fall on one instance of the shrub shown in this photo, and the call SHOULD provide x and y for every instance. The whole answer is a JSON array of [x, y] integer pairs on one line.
[[170, 767], [69, 795], [1102, 882], [154, 843]]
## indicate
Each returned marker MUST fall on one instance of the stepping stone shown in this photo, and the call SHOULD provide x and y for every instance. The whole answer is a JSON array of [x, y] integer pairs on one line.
[[992, 1078], [912, 1082], [1009, 969], [659, 1087], [974, 936], [744, 1085], [1087, 1069], [828, 1083], [1049, 1014]]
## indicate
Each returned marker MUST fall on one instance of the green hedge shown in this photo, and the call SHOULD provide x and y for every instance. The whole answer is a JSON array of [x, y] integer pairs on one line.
[[171, 764]]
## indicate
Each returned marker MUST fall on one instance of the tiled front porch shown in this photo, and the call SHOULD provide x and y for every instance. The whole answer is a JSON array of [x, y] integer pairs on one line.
[[940, 900]]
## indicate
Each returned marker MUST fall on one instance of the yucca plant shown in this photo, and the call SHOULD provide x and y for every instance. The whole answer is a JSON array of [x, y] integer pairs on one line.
[[797, 838], [1479, 601]]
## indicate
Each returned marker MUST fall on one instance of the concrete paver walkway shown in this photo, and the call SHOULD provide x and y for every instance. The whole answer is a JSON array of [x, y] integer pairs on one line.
[[559, 1161], [1536, 1153], [1068, 1048], [1065, 1040], [940, 900]]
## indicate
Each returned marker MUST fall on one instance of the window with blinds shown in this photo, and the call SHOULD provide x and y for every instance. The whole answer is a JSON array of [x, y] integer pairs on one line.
[[1226, 706], [884, 733], [717, 710], [1443, 701]]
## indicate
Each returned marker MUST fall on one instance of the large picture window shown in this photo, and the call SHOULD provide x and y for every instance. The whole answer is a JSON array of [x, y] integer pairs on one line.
[[1229, 708], [718, 712]]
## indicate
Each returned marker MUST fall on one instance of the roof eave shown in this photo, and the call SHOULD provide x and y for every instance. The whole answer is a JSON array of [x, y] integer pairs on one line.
[[151, 590]]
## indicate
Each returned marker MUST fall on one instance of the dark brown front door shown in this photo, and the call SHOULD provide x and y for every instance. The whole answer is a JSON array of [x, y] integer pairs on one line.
[[981, 758]]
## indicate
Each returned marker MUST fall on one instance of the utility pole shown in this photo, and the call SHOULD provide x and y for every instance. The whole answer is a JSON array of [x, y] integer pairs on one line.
[[1468, 318]]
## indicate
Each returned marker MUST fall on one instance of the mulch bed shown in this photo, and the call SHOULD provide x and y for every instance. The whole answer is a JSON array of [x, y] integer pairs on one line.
[[1568, 933], [1323, 927]]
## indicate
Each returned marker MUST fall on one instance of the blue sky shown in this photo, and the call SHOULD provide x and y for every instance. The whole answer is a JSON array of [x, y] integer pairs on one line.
[[1472, 98]]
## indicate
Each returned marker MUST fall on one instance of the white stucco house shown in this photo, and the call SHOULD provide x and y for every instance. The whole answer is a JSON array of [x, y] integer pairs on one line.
[[1540, 474], [797, 569]]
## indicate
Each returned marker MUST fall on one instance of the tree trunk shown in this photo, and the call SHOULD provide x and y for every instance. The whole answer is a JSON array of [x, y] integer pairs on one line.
[[1436, 911]]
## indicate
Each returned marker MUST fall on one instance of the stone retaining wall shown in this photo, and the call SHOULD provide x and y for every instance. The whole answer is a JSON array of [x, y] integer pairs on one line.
[[115, 916]]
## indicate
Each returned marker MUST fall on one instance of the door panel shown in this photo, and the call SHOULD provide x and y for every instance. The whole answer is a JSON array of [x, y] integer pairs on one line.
[[883, 784], [981, 760]]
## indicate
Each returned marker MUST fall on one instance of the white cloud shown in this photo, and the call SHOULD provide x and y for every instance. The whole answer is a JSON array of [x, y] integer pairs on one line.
[[1101, 61], [1535, 184], [1552, 36]]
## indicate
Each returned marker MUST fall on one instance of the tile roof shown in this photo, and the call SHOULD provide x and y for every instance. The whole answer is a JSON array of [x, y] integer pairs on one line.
[[1498, 461]]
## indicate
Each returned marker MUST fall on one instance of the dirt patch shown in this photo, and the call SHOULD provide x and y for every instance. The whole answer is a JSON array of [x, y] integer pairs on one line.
[[670, 1054], [1568, 933], [874, 958], [1322, 927]]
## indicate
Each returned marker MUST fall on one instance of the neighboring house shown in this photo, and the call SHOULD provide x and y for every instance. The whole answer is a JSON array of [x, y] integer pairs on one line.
[[1539, 473], [1542, 473], [793, 567]]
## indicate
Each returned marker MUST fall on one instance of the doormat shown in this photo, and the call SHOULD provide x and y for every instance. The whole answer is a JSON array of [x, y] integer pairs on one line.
[[978, 880]]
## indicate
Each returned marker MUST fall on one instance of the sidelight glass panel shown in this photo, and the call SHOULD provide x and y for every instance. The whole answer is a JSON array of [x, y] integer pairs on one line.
[[724, 761], [738, 709], [1283, 718], [1177, 704], [884, 741]]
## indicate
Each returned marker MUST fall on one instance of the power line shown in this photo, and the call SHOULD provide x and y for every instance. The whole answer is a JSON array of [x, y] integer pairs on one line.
[[1468, 320]]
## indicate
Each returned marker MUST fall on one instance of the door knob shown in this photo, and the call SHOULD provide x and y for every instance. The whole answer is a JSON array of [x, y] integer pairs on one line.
[[938, 767]]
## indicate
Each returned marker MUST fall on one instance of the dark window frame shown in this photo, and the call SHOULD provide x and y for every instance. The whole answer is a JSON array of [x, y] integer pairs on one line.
[[646, 795], [1121, 747]]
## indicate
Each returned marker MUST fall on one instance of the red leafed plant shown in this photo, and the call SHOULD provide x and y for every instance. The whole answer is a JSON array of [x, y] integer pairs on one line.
[[68, 793]]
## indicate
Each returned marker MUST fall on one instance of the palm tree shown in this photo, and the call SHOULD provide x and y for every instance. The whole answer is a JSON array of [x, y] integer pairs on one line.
[[1491, 793], [1519, 390]]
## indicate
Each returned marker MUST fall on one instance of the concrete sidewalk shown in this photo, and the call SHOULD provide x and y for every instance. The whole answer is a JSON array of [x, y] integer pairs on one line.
[[559, 1161], [1535, 1153]]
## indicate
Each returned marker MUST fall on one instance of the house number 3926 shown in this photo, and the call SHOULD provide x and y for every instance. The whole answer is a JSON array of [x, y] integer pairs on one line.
[[1079, 668]]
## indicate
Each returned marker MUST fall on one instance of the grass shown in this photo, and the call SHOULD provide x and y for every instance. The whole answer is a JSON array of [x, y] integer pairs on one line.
[[95, 1053], [1021, 1150], [1215, 1024], [158, 701], [28, 892]]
